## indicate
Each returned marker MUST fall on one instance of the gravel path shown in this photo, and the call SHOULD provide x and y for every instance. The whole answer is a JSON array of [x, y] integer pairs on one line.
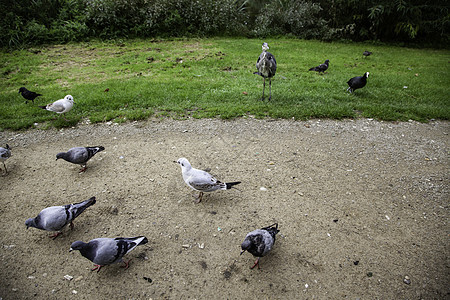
[[362, 207]]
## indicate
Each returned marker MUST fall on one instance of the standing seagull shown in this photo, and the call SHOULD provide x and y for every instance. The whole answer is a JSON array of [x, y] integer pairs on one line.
[[60, 106], [106, 251], [357, 82], [80, 155], [5, 153], [201, 181], [55, 218], [321, 68], [260, 241], [28, 95], [266, 66]]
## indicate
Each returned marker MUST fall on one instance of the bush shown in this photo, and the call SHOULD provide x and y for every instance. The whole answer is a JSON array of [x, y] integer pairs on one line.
[[297, 17]]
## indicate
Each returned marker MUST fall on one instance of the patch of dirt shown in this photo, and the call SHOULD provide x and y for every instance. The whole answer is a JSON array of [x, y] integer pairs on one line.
[[360, 205]]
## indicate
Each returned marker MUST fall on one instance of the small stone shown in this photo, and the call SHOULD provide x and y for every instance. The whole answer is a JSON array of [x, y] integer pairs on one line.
[[44, 275], [114, 210], [271, 163], [31, 277], [387, 217], [74, 292], [201, 246], [407, 280], [262, 189], [121, 157], [68, 277], [78, 278], [186, 246]]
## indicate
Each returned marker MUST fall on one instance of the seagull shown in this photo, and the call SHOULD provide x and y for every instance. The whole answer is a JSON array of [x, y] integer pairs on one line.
[[260, 241], [357, 82], [79, 155], [201, 181], [60, 106], [106, 251], [266, 66], [28, 95], [367, 53], [5, 153], [55, 218], [321, 68]]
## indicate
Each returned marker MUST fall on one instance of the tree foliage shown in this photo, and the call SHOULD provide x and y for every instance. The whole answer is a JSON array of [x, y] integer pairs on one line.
[[27, 23]]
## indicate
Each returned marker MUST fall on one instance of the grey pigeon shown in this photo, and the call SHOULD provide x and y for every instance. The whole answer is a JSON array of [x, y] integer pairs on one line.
[[260, 241], [106, 251], [357, 82], [322, 67], [200, 180], [5, 153], [54, 218], [267, 67], [28, 95], [80, 155]]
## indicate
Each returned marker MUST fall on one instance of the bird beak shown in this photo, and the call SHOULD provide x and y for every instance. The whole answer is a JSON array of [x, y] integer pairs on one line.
[[70, 250], [242, 252]]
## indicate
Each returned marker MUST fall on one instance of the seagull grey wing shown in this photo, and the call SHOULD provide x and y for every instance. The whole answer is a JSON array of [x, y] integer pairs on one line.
[[57, 106]]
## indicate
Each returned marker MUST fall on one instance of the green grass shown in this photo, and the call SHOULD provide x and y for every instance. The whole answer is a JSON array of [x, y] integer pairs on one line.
[[209, 78]]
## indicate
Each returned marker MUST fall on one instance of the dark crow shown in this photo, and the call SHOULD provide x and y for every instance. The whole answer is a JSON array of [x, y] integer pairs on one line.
[[321, 68], [367, 53], [28, 95]]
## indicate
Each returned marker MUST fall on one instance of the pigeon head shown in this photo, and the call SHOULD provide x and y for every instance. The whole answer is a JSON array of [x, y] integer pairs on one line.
[[246, 244], [60, 155], [265, 46], [30, 223], [184, 163], [78, 245]]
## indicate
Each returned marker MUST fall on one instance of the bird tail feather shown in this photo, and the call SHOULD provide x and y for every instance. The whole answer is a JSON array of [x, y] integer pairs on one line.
[[230, 184], [81, 206]]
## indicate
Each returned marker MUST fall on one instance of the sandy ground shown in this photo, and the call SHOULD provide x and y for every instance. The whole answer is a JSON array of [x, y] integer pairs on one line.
[[360, 205]]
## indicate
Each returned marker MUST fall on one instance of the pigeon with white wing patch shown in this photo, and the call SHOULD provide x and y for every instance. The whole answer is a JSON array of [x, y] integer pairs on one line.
[[106, 251], [201, 181], [260, 241], [55, 218], [80, 155]]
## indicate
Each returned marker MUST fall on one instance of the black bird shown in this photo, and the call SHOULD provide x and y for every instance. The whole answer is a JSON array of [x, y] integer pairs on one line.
[[266, 66], [321, 68], [80, 155], [357, 82], [367, 53], [260, 241], [28, 95]]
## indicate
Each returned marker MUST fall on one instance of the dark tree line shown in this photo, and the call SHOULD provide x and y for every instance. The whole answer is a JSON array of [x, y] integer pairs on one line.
[[26, 23]]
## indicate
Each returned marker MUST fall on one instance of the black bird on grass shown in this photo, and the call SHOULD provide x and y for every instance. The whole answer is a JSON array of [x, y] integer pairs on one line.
[[260, 241], [321, 68], [266, 66], [28, 95], [357, 82], [367, 53]]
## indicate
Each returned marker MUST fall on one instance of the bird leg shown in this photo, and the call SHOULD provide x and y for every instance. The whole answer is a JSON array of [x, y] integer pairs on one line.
[[97, 267], [256, 264], [270, 88], [264, 87], [126, 264], [83, 168], [54, 236], [6, 170], [199, 198], [71, 225]]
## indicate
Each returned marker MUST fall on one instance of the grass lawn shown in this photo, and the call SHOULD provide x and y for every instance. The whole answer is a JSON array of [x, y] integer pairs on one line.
[[214, 78]]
